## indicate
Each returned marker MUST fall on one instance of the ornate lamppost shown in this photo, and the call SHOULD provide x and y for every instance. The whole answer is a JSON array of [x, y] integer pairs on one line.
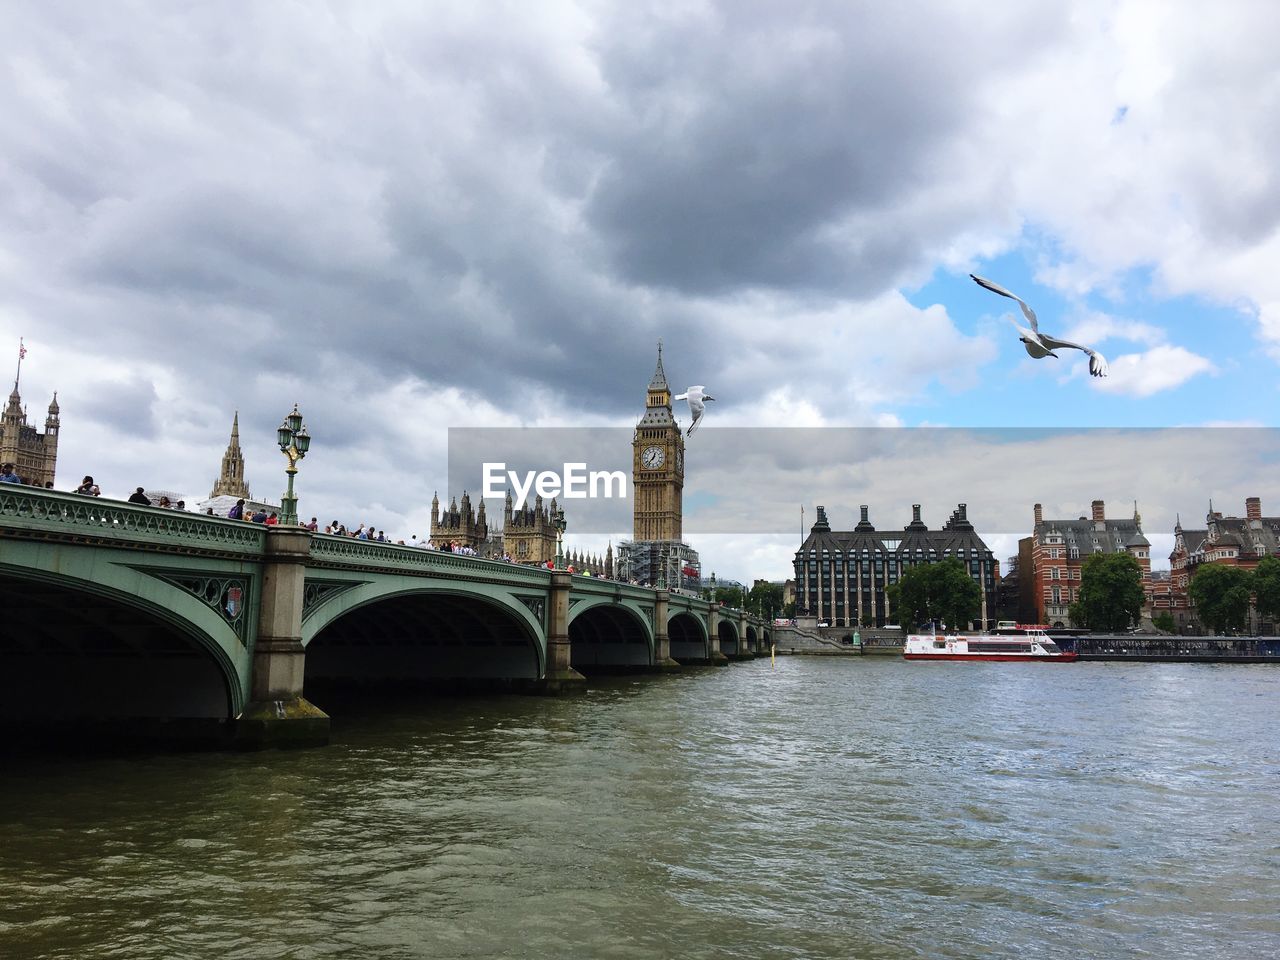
[[713, 588], [662, 569], [560, 528], [294, 443]]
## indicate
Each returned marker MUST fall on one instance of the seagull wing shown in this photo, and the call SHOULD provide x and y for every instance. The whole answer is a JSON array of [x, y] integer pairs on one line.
[[1097, 362], [996, 288]]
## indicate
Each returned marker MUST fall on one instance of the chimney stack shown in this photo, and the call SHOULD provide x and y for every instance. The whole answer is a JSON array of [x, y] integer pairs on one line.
[[863, 510], [1039, 514], [1099, 511], [1253, 508], [915, 513], [962, 511]]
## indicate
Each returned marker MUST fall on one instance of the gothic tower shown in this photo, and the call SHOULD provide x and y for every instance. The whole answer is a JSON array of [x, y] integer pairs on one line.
[[33, 454], [657, 468], [230, 482]]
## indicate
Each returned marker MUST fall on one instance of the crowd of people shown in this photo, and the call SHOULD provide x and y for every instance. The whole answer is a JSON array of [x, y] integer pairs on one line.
[[259, 514]]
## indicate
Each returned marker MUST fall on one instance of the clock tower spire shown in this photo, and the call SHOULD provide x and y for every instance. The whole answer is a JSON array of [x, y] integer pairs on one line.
[[657, 470]]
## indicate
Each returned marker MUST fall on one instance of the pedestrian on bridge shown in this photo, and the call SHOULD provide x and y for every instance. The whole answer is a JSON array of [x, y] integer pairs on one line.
[[7, 475], [139, 497]]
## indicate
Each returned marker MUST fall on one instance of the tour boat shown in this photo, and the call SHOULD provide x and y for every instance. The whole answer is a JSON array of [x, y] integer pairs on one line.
[[1029, 645]]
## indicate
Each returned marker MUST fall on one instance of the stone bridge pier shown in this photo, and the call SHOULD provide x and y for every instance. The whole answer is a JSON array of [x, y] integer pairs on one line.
[[277, 713]]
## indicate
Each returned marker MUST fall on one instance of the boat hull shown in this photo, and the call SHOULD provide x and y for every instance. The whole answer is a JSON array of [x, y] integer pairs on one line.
[[998, 657]]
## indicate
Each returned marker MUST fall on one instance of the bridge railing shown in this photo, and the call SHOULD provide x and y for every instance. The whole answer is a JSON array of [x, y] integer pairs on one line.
[[35, 513], [345, 551]]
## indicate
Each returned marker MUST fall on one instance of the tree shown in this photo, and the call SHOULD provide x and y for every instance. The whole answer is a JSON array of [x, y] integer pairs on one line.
[[1266, 589], [1110, 592], [1164, 621], [1221, 596], [764, 599], [941, 592], [729, 596]]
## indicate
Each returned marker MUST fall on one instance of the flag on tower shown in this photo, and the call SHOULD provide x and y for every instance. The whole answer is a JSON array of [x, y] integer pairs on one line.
[[22, 351]]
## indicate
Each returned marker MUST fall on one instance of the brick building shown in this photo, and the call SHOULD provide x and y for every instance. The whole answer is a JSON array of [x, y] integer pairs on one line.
[[1049, 561], [1236, 541]]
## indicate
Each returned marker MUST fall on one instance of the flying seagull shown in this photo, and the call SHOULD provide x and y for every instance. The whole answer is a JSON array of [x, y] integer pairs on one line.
[[1039, 344], [697, 405]]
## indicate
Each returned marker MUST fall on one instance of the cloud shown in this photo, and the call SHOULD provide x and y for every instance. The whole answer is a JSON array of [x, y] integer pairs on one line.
[[1096, 327], [1147, 373]]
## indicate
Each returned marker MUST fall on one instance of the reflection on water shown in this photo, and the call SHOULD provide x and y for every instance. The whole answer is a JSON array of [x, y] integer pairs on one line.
[[859, 808]]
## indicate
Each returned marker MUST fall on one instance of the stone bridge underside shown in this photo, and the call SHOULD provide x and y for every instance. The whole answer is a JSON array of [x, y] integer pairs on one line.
[[607, 639], [688, 638], [424, 637], [69, 654]]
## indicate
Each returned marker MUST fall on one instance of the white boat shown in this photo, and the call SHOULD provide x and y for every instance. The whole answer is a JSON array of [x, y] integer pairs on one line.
[[1029, 645]]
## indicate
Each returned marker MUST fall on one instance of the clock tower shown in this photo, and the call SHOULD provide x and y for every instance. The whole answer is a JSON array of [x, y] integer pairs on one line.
[[657, 466]]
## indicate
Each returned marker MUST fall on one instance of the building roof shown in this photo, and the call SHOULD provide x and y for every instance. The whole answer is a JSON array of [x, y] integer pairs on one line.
[[1093, 536], [956, 537]]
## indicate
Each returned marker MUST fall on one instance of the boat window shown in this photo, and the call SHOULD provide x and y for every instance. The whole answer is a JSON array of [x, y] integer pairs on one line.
[[1050, 646], [940, 644]]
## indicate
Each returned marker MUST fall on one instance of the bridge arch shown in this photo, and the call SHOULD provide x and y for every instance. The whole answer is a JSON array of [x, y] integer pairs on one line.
[[418, 631], [753, 639], [609, 637], [687, 634], [727, 631], [124, 645]]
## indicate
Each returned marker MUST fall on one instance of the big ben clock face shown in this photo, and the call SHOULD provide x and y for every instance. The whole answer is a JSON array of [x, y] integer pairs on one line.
[[652, 458]]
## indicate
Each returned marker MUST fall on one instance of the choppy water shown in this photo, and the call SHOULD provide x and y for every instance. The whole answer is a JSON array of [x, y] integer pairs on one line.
[[841, 809]]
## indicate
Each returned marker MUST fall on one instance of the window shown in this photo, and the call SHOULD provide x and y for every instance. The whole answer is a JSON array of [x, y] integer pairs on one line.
[[1057, 596], [1053, 574]]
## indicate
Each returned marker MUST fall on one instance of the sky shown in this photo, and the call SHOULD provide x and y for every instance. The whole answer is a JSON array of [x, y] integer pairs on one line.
[[407, 217]]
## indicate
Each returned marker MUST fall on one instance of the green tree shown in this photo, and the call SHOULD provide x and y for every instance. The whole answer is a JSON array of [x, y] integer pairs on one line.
[[1164, 621], [941, 592], [765, 598], [1110, 592], [1221, 596], [729, 596], [1266, 589]]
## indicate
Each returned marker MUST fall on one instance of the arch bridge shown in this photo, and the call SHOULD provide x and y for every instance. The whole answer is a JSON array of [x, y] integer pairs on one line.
[[128, 614]]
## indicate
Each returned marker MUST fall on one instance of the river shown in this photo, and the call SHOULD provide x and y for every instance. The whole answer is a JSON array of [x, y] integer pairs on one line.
[[843, 808]]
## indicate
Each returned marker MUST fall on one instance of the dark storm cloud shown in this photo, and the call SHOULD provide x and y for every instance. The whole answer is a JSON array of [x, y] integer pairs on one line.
[[767, 144], [126, 407]]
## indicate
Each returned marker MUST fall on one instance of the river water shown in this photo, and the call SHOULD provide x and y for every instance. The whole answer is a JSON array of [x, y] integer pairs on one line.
[[825, 808]]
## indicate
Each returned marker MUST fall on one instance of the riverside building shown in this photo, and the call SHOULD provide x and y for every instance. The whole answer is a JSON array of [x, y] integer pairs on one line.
[[1050, 560], [1234, 541], [843, 577], [33, 454]]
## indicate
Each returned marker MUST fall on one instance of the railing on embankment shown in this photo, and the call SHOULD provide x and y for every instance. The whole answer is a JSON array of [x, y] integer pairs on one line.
[[1173, 649]]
